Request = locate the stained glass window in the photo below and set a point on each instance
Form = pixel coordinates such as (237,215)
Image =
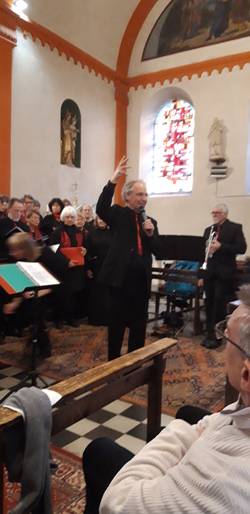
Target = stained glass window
(173,149)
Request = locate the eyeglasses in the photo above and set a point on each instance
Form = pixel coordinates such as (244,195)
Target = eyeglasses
(214,213)
(220,329)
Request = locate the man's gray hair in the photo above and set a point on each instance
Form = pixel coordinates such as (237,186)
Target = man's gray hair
(223,207)
(66,211)
(128,187)
(244,295)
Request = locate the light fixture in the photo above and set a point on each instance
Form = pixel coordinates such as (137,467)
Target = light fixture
(20,4)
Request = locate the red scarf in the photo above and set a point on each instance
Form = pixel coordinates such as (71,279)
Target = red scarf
(36,234)
(65,240)
(57,216)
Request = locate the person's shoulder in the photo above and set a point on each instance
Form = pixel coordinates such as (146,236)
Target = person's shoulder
(207,230)
(48,217)
(23,226)
(4,222)
(233,224)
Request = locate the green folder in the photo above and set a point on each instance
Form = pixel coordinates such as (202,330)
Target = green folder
(15,277)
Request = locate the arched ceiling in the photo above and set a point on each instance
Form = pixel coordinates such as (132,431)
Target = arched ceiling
(95,26)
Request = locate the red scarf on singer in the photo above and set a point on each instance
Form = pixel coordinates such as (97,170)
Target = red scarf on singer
(65,240)
(36,234)
(57,216)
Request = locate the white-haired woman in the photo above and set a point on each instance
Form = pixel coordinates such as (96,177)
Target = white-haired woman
(69,236)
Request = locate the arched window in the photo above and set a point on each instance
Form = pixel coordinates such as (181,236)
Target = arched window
(173,149)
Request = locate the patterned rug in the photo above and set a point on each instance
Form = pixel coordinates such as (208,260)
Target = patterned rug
(192,375)
(68,486)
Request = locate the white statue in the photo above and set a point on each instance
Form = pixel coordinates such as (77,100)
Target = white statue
(215,142)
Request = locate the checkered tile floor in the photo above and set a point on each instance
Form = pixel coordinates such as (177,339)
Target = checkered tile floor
(122,421)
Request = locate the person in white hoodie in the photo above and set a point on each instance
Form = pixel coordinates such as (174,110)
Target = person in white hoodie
(186,468)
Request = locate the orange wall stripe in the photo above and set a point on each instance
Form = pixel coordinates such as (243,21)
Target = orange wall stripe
(135,23)
(189,70)
(5,109)
(121,97)
(7,42)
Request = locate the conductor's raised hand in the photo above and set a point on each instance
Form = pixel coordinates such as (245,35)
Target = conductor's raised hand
(120,170)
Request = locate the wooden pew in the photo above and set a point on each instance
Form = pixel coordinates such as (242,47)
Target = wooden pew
(88,392)
(186,276)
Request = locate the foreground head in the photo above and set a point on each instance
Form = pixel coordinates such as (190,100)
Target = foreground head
(219,213)
(238,360)
(22,247)
(134,194)
(68,215)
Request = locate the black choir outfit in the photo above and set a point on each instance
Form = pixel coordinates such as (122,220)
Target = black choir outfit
(89,226)
(221,270)
(49,223)
(68,237)
(126,273)
(99,241)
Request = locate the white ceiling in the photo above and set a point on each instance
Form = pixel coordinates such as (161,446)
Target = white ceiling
(95,26)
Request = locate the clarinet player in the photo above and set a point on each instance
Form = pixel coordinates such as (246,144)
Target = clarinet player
(226,240)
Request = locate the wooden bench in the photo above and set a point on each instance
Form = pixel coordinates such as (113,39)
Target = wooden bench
(88,392)
(186,276)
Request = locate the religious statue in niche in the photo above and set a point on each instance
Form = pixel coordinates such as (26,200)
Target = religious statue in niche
(215,136)
(70,134)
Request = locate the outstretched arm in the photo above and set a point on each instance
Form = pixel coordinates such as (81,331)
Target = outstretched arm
(103,206)
(120,170)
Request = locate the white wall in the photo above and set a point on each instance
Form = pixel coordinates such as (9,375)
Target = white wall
(225,96)
(189,214)
(41,82)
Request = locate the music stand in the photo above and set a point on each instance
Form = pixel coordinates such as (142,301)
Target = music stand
(12,279)
(178,247)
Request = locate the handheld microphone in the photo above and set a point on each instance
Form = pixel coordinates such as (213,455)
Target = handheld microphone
(143,213)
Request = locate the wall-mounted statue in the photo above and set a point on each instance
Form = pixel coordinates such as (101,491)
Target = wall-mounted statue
(215,136)
(66,141)
(70,134)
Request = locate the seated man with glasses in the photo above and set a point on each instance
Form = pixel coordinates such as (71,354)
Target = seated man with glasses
(225,239)
(204,467)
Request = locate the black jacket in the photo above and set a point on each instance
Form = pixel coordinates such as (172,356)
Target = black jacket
(124,242)
(223,262)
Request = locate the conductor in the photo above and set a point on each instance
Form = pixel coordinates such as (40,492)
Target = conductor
(127,267)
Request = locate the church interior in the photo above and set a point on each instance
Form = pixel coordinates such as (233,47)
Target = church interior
(92,54)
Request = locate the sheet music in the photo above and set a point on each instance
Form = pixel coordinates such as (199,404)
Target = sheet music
(36,272)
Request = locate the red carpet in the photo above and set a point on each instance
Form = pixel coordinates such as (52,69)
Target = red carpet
(68,486)
(193,374)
